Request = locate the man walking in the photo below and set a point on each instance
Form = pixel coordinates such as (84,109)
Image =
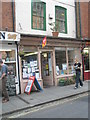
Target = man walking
(77,67)
(4,73)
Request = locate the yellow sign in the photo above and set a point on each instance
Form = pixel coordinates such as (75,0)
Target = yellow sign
(12,36)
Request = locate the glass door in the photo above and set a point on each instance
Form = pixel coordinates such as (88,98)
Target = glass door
(47,70)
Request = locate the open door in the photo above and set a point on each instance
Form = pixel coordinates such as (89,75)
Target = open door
(47,70)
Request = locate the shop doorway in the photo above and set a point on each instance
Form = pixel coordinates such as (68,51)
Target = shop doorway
(47,68)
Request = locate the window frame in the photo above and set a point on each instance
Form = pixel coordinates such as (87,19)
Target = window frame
(44,21)
(65,10)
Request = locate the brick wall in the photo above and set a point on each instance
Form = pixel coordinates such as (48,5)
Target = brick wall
(0,15)
(7,18)
(84,19)
(89,20)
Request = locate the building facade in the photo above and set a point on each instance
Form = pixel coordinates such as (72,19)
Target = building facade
(85,34)
(9,40)
(56,59)
(32,20)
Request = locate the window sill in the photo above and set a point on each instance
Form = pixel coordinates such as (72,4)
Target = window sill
(68,75)
(87,71)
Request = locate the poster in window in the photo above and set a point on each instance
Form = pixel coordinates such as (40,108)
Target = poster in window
(35,63)
(31,63)
(25,75)
(64,66)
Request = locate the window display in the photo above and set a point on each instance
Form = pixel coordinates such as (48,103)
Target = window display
(71,58)
(9,59)
(61,65)
(30,65)
(86,55)
(8,55)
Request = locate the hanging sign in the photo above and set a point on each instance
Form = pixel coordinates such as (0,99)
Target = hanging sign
(9,36)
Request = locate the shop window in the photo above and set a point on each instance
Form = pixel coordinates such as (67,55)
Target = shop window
(61,19)
(9,58)
(71,58)
(61,65)
(8,55)
(86,59)
(38,15)
(30,65)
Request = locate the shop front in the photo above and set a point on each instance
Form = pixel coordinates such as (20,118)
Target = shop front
(50,63)
(8,53)
(86,55)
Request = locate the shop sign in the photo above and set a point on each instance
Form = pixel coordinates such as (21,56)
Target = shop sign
(9,36)
(32,80)
(29,85)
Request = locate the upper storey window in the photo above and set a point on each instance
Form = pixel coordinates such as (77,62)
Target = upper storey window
(38,15)
(61,19)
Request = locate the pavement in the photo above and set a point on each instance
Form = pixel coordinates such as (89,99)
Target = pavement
(50,94)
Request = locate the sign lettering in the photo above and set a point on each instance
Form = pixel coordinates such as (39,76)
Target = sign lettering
(9,36)
(2,35)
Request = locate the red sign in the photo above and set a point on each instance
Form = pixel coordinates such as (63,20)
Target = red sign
(29,84)
(88,43)
(44,42)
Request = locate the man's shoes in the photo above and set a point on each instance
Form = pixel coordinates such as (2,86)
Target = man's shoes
(81,86)
(75,87)
(5,100)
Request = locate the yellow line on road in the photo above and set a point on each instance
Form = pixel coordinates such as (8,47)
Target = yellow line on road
(35,109)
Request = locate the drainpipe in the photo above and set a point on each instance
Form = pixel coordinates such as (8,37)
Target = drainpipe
(80,20)
(13,17)
(16,44)
(18,68)
(76,17)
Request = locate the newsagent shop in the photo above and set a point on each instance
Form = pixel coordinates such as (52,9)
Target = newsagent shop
(49,63)
(8,53)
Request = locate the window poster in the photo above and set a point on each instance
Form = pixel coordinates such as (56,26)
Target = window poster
(30,68)
(35,63)
(25,75)
(50,65)
(57,70)
(31,63)
(64,66)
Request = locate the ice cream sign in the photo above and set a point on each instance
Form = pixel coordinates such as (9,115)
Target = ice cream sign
(9,36)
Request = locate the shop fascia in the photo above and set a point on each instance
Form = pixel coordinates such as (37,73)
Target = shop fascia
(9,36)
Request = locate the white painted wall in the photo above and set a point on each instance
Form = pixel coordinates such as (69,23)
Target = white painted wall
(23,17)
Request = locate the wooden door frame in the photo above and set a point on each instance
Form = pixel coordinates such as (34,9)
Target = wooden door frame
(53,57)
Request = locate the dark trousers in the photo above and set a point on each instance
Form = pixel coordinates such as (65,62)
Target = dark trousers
(78,80)
(4,91)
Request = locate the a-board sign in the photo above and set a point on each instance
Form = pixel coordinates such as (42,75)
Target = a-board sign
(29,85)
